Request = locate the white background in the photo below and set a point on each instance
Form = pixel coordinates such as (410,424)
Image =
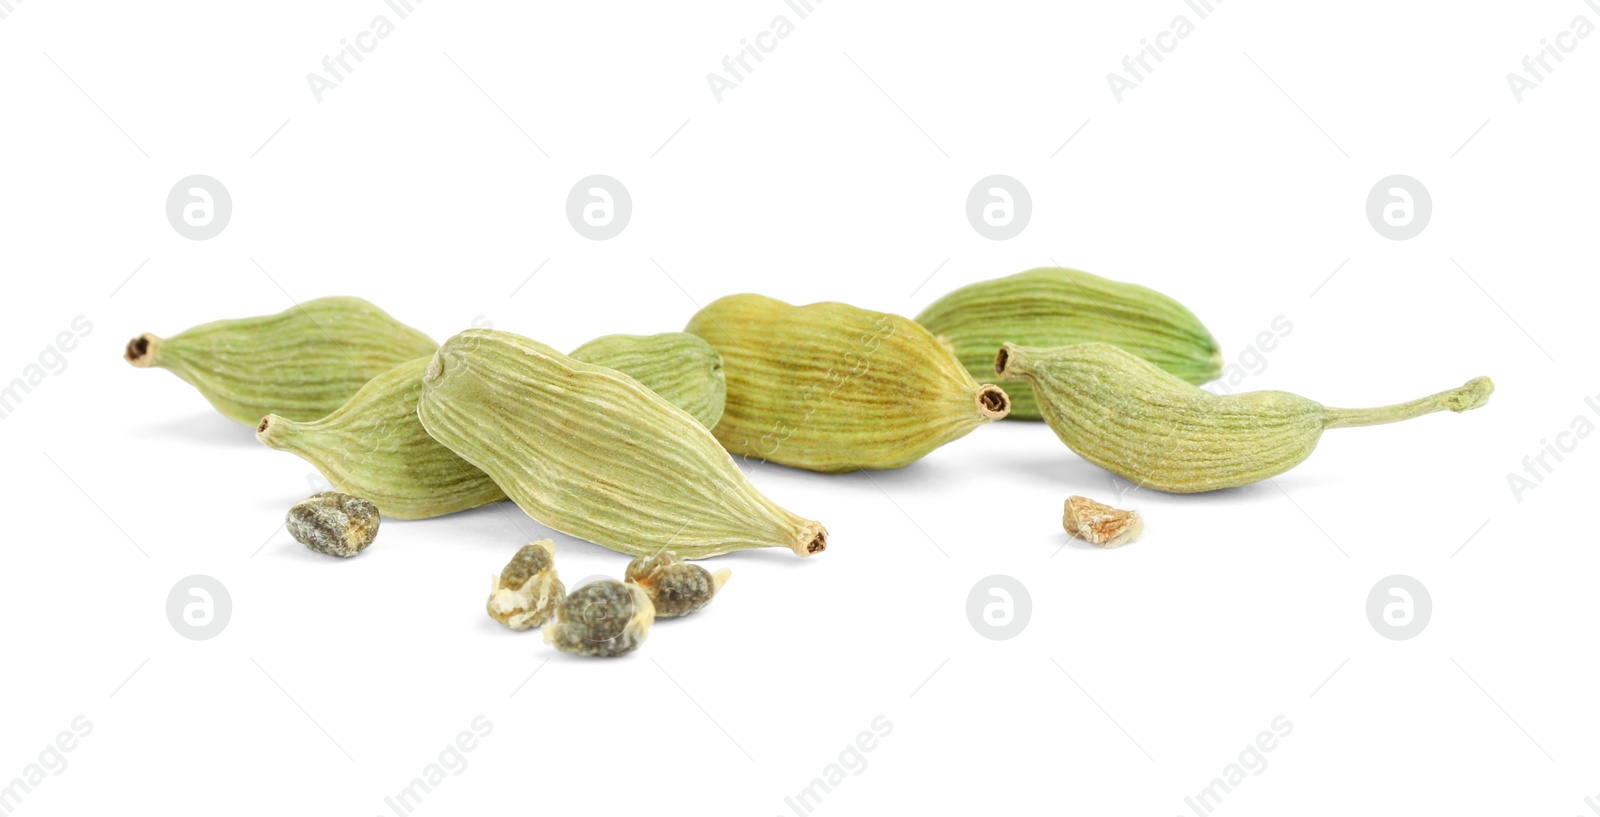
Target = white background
(1233,178)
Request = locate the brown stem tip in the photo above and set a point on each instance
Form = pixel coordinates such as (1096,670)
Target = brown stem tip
(1005,362)
(141,351)
(270,431)
(813,539)
(993,402)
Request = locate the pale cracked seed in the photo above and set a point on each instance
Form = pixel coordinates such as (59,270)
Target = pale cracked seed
(1099,524)
(528,590)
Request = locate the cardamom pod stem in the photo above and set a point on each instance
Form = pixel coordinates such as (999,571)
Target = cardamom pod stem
(301,363)
(1464,398)
(832,387)
(1129,417)
(591,452)
(1052,306)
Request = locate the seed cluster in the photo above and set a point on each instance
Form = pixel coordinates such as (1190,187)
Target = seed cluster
(603,618)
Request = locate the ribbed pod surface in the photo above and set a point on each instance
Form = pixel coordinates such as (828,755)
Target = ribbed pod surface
(375,447)
(832,387)
(591,452)
(301,363)
(1053,306)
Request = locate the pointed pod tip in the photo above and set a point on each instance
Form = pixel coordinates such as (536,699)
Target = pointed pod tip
(435,368)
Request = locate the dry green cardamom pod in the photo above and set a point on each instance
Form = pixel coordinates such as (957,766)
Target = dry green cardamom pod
(528,591)
(1052,306)
(1125,415)
(604,618)
(375,446)
(676,365)
(333,523)
(830,387)
(675,587)
(591,452)
(301,363)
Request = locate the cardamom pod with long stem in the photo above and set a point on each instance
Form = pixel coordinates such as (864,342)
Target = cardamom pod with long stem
(375,446)
(831,387)
(1129,417)
(301,363)
(1052,306)
(590,451)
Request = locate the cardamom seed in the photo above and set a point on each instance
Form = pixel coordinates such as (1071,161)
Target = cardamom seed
(676,365)
(591,452)
(528,591)
(675,587)
(1052,306)
(604,619)
(831,387)
(375,446)
(333,523)
(1100,525)
(301,363)
(1129,417)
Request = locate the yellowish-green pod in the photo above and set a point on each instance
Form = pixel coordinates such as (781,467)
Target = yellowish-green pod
(591,452)
(831,387)
(301,363)
(1052,306)
(676,365)
(375,447)
(1125,415)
